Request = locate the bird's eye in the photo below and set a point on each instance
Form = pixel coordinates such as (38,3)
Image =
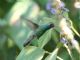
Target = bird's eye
(51,25)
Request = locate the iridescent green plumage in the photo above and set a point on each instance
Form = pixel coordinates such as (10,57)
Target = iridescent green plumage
(38,30)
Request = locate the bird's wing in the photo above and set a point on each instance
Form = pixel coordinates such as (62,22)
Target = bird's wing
(30,24)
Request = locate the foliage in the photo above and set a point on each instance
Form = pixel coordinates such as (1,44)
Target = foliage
(61,42)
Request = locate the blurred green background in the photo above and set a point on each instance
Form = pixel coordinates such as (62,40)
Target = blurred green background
(14,31)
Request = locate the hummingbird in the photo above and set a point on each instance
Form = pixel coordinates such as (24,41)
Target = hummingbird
(38,30)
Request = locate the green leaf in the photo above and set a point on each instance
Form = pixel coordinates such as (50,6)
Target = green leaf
(44,39)
(75,54)
(31,53)
(3,40)
(19,35)
(64,54)
(53,55)
(55,36)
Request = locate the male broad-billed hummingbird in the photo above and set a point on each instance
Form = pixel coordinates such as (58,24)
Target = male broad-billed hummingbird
(38,30)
